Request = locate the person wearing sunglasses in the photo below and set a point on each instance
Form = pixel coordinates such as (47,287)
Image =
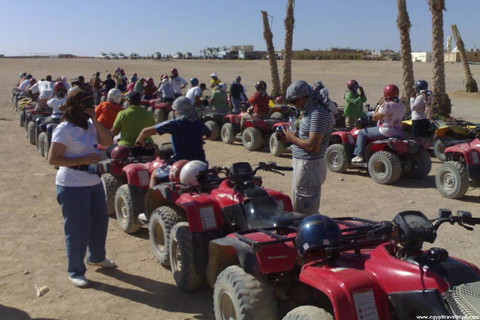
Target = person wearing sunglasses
(79,189)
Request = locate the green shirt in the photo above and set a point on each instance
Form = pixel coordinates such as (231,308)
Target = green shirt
(131,122)
(139,87)
(354,105)
(219,101)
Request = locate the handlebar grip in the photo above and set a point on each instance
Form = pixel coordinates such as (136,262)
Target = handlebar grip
(472,221)
(284,168)
(380,231)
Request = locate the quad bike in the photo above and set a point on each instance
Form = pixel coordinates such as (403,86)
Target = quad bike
(44,139)
(214,120)
(276,145)
(231,127)
(385,159)
(31,116)
(17,96)
(460,171)
(160,109)
(181,227)
(377,271)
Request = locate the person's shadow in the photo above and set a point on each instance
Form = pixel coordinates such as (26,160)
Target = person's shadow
(159,295)
(17,314)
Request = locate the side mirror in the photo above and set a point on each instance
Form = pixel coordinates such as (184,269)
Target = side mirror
(444,213)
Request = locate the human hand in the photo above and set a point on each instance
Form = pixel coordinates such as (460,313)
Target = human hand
(90,158)
(140,143)
(250,110)
(281,136)
(289,135)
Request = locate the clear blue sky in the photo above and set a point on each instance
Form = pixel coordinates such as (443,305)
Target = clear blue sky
(146,26)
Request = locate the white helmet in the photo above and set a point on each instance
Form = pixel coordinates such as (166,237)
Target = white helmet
(188,175)
(224,86)
(214,75)
(115,95)
(73,89)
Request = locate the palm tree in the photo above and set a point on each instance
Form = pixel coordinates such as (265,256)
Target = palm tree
(442,101)
(403,24)
(267,34)
(471,85)
(287,59)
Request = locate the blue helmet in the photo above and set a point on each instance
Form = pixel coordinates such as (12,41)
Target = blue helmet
(194,82)
(421,85)
(316,232)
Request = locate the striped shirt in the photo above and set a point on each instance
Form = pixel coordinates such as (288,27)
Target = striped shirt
(317,119)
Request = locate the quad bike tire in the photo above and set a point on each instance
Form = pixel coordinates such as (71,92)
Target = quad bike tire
(126,215)
(182,260)
(421,165)
(336,158)
(384,167)
(243,296)
(439,150)
(276,146)
(110,186)
(171,115)
(158,115)
(308,313)
(41,143)
(22,119)
(46,147)
(214,128)
(451,179)
(228,133)
(252,139)
(276,115)
(31,132)
(161,223)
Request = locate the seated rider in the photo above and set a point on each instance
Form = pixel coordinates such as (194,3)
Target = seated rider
(132,121)
(259,104)
(389,115)
(149,90)
(106,112)
(187,134)
(219,99)
(57,102)
(165,91)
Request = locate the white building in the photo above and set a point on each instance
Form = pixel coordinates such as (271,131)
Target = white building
(422,56)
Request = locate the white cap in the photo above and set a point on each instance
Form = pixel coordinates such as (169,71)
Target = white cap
(214,75)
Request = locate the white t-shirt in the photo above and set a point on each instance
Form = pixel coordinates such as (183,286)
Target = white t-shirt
(177,84)
(194,92)
(24,85)
(55,103)
(79,143)
(45,88)
(391,124)
(418,108)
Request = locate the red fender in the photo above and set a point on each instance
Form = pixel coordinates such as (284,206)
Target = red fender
(343,136)
(469,151)
(203,212)
(283,201)
(233,118)
(138,174)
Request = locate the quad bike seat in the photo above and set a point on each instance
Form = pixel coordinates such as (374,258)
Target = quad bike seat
(264,212)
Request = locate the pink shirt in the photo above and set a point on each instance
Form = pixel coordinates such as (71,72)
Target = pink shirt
(391,124)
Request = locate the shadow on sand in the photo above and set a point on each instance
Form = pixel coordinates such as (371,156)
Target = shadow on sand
(9,313)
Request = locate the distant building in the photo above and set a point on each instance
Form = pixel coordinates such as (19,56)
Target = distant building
(242,48)
(65,56)
(422,56)
(473,55)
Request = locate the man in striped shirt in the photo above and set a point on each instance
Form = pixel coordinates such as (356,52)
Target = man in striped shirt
(310,142)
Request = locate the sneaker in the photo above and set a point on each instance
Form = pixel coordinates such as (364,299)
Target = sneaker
(238,136)
(358,159)
(79,281)
(105,264)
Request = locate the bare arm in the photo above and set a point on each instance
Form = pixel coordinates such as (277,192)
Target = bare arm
(145,133)
(104,136)
(56,158)
(312,144)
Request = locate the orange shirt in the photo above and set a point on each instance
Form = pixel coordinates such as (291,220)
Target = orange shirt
(106,113)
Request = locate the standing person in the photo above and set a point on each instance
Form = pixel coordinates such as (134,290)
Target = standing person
(106,112)
(195,93)
(420,106)
(309,145)
(119,80)
(215,81)
(389,115)
(354,103)
(79,192)
(237,94)
(45,90)
(96,87)
(177,82)
(258,104)
(109,83)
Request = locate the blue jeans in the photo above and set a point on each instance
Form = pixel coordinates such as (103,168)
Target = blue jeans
(236,103)
(85,223)
(364,135)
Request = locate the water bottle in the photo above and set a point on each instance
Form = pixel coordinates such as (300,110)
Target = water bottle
(292,124)
(93,167)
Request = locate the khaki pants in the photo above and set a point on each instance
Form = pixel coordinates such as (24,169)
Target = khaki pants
(307,179)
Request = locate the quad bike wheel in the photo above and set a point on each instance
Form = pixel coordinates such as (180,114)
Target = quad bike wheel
(277,147)
(308,313)
(22,119)
(228,133)
(252,139)
(41,143)
(158,115)
(31,132)
(182,258)
(384,167)
(162,221)
(439,149)
(213,126)
(171,115)
(421,165)
(336,158)
(125,212)
(110,186)
(242,296)
(46,147)
(451,179)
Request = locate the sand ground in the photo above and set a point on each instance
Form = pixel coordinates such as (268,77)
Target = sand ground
(31,237)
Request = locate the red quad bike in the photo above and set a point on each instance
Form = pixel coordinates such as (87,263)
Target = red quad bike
(231,127)
(161,110)
(181,229)
(385,159)
(460,171)
(44,131)
(278,147)
(378,271)
(30,116)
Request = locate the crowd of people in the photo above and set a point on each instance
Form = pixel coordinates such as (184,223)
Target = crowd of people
(86,122)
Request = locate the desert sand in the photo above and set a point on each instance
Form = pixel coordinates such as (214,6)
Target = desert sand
(32,237)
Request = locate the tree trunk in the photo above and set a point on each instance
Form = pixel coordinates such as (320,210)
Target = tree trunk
(267,34)
(442,101)
(287,58)
(471,84)
(403,24)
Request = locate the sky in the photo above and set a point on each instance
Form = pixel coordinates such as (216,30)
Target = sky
(89,27)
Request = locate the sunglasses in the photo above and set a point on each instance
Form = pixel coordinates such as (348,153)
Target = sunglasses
(294,101)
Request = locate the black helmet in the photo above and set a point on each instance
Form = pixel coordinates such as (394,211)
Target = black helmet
(261,85)
(194,82)
(421,85)
(317,232)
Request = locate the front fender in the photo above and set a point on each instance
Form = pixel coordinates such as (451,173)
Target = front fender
(137,174)
(203,212)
